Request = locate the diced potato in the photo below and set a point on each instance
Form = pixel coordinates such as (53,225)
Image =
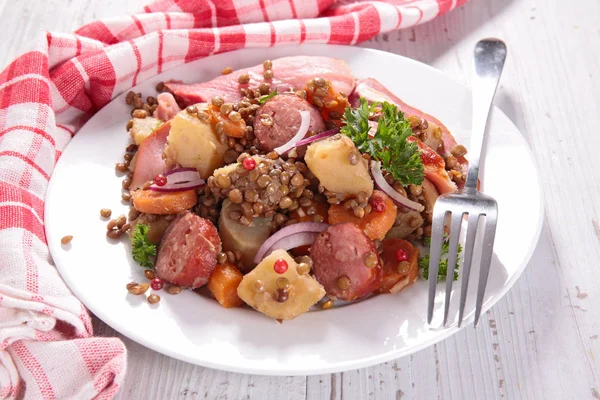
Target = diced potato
(142,128)
(328,160)
(259,287)
(223,283)
(193,143)
(246,239)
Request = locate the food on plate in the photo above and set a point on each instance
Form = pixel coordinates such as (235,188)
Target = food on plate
(375,219)
(223,284)
(281,125)
(243,238)
(151,202)
(194,143)
(400,260)
(282,183)
(279,288)
(187,254)
(346,262)
(339,167)
(285,72)
(149,157)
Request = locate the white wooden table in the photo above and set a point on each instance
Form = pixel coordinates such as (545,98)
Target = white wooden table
(542,341)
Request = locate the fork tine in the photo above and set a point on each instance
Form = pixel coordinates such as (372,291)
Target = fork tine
(435,252)
(452,250)
(465,270)
(486,258)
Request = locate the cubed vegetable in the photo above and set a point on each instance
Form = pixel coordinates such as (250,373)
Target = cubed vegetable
(276,289)
(193,143)
(330,161)
(223,284)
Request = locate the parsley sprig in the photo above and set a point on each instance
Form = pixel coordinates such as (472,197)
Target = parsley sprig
(400,158)
(424,261)
(267,97)
(142,249)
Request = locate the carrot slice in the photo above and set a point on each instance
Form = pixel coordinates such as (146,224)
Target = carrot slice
(375,224)
(223,284)
(395,275)
(230,128)
(151,202)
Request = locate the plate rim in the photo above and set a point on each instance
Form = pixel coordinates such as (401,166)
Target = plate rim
(339,366)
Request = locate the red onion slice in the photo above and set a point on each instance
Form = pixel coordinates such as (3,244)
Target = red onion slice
(292,241)
(284,148)
(320,136)
(390,191)
(301,227)
(180,179)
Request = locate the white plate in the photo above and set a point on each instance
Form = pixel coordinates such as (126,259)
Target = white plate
(196,329)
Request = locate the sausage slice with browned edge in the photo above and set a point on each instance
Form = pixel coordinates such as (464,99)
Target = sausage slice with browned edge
(284,112)
(345,262)
(188,251)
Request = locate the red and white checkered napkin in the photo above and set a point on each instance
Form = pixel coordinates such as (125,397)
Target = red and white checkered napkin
(47,348)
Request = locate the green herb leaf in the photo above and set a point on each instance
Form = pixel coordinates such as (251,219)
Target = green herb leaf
(142,249)
(424,261)
(267,97)
(400,158)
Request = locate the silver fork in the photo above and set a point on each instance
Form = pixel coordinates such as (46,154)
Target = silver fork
(489,60)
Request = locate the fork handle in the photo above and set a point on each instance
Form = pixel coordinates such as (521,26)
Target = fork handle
(489,60)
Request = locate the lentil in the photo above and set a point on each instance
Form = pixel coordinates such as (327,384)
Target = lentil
(327,305)
(131,148)
(303,268)
(138,288)
(318,218)
(264,88)
(121,167)
(416,190)
(105,213)
(235,196)
(129,125)
(174,289)
(226,71)
(283,283)
(268,64)
(281,296)
(160,86)
(359,212)
(153,299)
(222,257)
(126,183)
(244,78)
(139,114)
(458,151)
(343,282)
(217,101)
(371,260)
(226,108)
(268,74)
(235,116)
(66,239)
(125,228)
(403,267)
(126,196)
(149,274)
(451,162)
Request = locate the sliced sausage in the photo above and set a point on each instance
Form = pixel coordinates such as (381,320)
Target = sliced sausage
(188,252)
(345,262)
(284,110)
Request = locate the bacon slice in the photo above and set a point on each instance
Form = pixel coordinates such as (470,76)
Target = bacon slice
(373,91)
(167,107)
(149,159)
(435,168)
(287,72)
